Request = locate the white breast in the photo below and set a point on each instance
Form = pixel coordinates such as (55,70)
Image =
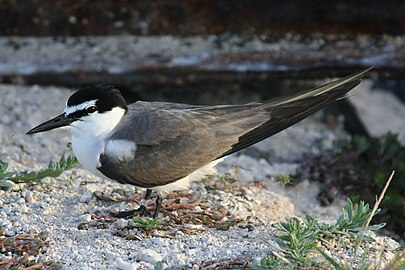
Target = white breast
(87,151)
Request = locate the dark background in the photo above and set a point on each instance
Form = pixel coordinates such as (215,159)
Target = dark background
(179,17)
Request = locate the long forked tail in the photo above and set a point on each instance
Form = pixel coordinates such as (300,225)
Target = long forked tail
(286,111)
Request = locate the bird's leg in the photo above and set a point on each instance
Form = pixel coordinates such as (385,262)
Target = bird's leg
(142,209)
(158,205)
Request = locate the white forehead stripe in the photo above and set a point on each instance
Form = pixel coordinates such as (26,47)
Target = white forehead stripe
(79,107)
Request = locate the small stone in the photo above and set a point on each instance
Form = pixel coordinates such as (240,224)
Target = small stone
(149,255)
(7,210)
(85,217)
(181,258)
(158,241)
(193,251)
(24,209)
(120,223)
(46,211)
(17,187)
(20,201)
(85,252)
(28,197)
(86,197)
(125,265)
(194,226)
(102,226)
(83,226)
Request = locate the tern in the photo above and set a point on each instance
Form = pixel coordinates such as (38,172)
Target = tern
(164,146)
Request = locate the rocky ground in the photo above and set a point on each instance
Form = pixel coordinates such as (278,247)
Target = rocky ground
(213,222)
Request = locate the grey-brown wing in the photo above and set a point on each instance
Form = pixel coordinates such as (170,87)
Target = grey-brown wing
(176,139)
(174,143)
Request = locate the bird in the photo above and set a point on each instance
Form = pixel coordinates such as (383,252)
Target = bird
(163,146)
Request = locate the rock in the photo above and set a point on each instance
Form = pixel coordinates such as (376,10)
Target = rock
(379,111)
(86,197)
(120,223)
(307,136)
(85,218)
(249,169)
(28,197)
(149,255)
(85,251)
(6,209)
(268,205)
(158,241)
(125,265)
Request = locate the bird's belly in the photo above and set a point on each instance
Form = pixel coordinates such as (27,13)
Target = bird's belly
(87,152)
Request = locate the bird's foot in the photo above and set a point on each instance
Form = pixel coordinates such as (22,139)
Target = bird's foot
(125,214)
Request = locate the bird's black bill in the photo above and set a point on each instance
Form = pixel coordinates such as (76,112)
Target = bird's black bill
(58,121)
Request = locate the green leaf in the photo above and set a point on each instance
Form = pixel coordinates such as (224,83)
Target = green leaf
(6,183)
(159,266)
(54,169)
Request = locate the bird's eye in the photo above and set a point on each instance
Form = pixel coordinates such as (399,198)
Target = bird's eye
(91,109)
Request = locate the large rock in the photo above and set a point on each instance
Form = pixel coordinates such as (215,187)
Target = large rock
(380,111)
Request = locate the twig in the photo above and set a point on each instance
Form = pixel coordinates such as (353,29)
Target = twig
(377,203)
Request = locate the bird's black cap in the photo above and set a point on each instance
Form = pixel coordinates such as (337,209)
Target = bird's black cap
(107,97)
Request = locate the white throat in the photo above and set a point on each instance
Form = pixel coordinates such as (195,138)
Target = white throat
(89,134)
(97,125)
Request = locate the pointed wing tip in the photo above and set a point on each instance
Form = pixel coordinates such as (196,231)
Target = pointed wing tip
(364,71)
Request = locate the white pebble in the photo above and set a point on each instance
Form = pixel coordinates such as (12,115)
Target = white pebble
(86,197)
(24,209)
(28,197)
(7,210)
(149,255)
(125,265)
(158,241)
(85,217)
(193,251)
(85,252)
(6,224)
(120,223)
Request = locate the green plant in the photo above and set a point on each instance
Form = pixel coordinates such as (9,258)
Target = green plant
(148,223)
(358,218)
(54,169)
(298,240)
(158,266)
(358,168)
(355,217)
(269,263)
(3,170)
(285,179)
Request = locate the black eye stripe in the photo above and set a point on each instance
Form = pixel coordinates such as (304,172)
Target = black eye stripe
(78,114)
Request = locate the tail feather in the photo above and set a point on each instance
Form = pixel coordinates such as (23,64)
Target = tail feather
(286,111)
